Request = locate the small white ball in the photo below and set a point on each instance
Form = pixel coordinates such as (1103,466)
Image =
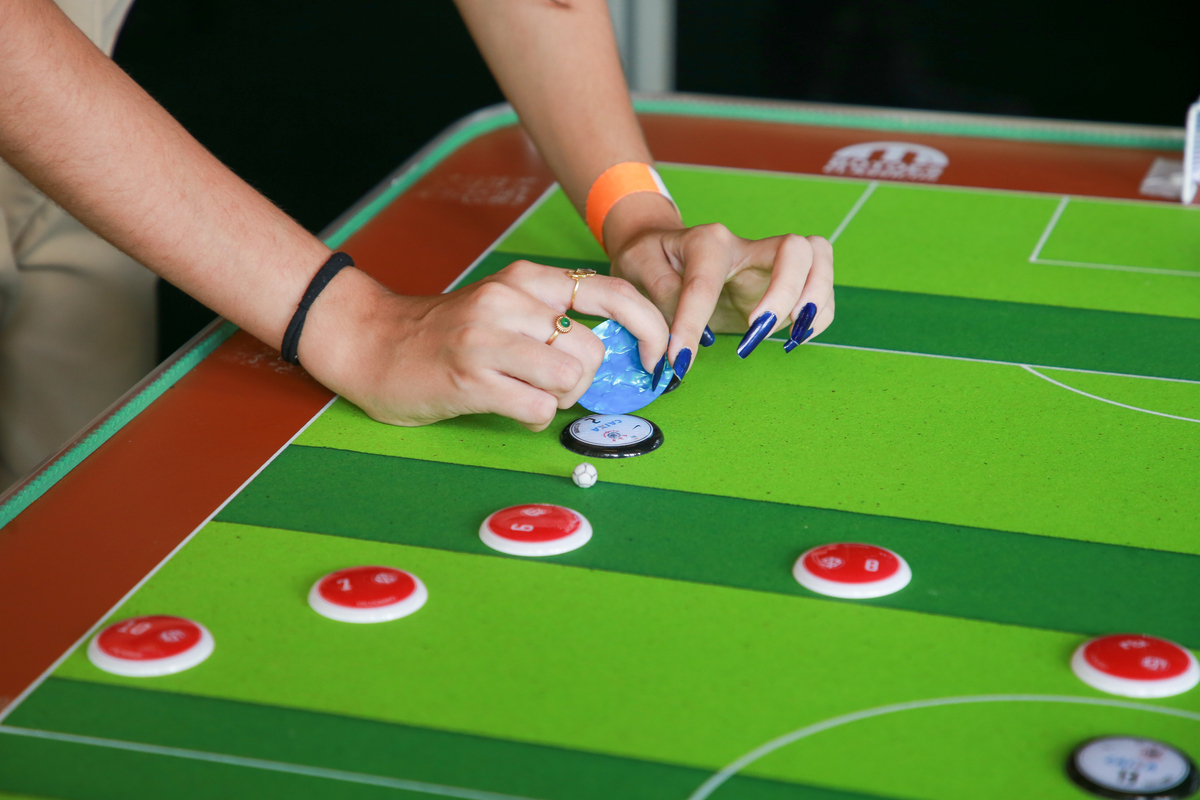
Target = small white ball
(584,476)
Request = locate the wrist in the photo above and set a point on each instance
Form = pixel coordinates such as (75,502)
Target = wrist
(635,215)
(347,330)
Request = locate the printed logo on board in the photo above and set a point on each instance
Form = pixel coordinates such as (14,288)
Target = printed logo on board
(896,161)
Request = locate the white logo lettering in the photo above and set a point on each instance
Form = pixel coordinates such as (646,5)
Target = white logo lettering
(897,161)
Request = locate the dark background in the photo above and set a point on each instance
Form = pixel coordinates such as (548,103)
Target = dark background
(314,102)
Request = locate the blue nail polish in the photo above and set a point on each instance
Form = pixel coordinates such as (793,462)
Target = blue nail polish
(707,339)
(683,362)
(790,345)
(673,385)
(758,331)
(803,321)
(804,338)
(658,372)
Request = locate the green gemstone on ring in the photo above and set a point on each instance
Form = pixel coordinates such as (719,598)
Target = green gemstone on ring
(564,324)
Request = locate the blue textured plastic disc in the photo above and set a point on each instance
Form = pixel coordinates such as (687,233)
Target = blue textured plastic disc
(621,385)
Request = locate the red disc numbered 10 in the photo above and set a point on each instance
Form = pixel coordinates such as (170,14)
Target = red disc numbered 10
(144,647)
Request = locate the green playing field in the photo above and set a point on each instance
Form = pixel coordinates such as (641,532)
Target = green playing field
(1009,397)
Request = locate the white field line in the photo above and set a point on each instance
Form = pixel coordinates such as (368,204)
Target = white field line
(1035,256)
(4,712)
(462,276)
(990,361)
(1104,400)
(1183,273)
(862,199)
(712,784)
(1041,242)
(258,763)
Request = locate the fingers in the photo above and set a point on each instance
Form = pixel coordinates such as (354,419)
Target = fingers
(530,380)
(588,350)
(707,253)
(515,399)
(814,310)
(791,263)
(601,296)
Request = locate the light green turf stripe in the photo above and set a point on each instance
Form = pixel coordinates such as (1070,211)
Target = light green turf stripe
(900,120)
(632,666)
(442,148)
(961,442)
(119,419)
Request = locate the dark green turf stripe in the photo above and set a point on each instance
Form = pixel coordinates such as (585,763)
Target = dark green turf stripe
(1023,333)
(331,742)
(998,576)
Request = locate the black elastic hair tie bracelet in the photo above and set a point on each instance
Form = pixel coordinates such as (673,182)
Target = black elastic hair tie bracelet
(291,337)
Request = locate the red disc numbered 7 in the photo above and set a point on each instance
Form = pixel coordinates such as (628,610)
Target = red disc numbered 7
(367,594)
(145,647)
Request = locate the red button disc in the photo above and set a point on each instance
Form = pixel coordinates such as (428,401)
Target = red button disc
(149,638)
(852,563)
(1139,658)
(536,522)
(366,587)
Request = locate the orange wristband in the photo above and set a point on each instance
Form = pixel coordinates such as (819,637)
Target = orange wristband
(615,183)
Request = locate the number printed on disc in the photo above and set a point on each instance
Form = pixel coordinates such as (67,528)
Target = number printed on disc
(145,647)
(1127,766)
(852,571)
(367,594)
(1132,665)
(535,529)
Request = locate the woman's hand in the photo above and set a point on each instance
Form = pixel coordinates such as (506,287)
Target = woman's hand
(707,276)
(480,349)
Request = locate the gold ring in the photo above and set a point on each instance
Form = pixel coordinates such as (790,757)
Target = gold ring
(562,324)
(577,275)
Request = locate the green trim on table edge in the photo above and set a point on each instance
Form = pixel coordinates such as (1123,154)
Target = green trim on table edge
(488,120)
(1021,129)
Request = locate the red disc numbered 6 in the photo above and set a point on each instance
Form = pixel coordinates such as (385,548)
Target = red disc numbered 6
(145,647)
(1132,665)
(367,594)
(535,529)
(852,571)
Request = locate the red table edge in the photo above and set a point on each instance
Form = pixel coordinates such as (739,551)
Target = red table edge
(501,116)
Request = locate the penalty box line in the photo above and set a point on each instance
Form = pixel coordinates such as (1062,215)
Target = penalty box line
(1035,256)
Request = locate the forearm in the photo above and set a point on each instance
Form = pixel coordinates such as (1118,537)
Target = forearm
(558,66)
(81,130)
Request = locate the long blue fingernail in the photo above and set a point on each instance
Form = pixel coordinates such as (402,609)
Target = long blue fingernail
(673,385)
(683,362)
(658,371)
(758,331)
(707,339)
(803,321)
(790,345)
(804,338)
